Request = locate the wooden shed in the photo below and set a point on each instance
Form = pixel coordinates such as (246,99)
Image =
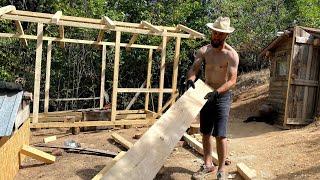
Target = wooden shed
(294,75)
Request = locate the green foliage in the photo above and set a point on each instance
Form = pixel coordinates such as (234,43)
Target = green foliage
(76,68)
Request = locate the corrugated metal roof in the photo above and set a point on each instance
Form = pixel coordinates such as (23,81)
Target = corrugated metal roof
(9,105)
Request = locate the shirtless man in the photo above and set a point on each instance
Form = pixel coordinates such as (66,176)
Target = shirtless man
(221,65)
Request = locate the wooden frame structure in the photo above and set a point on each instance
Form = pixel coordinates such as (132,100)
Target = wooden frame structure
(103,24)
(295,75)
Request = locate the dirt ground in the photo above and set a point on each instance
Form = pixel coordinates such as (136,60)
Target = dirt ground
(273,153)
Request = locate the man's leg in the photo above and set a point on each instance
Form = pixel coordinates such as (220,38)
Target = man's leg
(221,143)
(207,149)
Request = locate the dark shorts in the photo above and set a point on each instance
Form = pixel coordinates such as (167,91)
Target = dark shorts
(214,116)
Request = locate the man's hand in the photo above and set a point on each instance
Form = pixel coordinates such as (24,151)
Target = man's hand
(212,96)
(190,83)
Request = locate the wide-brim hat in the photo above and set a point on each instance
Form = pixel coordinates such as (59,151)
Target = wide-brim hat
(222,24)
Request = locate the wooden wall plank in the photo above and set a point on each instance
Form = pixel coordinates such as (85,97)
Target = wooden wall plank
(47,85)
(37,74)
(115,76)
(9,152)
(103,75)
(141,161)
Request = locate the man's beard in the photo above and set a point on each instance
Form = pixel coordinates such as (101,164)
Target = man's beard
(216,44)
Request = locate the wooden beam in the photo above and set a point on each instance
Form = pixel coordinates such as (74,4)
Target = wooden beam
(143,161)
(119,139)
(49,139)
(103,75)
(299,121)
(88,123)
(6,9)
(146,104)
(192,142)
(91,26)
(61,35)
(190,31)
(37,154)
(115,76)
(37,74)
(151,27)
(47,85)
(82,19)
(175,67)
(132,40)
(56,17)
(21,32)
(162,69)
(246,172)
(133,100)
(8,35)
(109,22)
(108,166)
(139,111)
(144,90)
(100,35)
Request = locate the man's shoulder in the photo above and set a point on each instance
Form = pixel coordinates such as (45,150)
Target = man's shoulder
(204,49)
(232,52)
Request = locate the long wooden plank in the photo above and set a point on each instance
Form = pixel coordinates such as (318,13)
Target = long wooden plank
(103,75)
(37,154)
(246,172)
(143,162)
(119,139)
(82,19)
(115,76)
(21,32)
(109,165)
(175,67)
(6,9)
(47,85)
(306,92)
(91,26)
(37,74)
(88,123)
(190,31)
(9,152)
(162,69)
(148,86)
(194,143)
(8,35)
(151,27)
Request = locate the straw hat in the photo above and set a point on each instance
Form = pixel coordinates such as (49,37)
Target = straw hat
(222,24)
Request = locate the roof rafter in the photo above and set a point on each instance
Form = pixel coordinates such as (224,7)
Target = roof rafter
(56,17)
(190,31)
(7,9)
(151,27)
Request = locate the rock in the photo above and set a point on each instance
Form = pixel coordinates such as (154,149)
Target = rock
(57,152)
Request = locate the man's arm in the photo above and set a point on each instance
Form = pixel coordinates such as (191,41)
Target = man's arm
(193,71)
(232,73)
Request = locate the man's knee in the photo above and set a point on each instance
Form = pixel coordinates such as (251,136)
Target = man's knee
(220,138)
